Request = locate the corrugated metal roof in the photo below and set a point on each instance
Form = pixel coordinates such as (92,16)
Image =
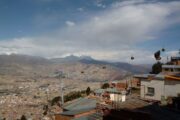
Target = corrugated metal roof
(75,112)
(160,76)
(113,90)
(99,91)
(81,103)
(154,76)
(143,75)
(170,66)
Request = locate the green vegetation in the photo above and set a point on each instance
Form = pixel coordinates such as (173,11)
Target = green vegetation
(156,68)
(55,100)
(23,117)
(71,96)
(88,91)
(105,86)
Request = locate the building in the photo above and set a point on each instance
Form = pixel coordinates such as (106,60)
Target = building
(116,95)
(77,108)
(112,94)
(163,85)
(75,114)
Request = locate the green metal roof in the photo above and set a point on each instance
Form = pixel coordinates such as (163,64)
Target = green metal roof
(113,90)
(99,91)
(81,103)
(110,90)
(82,118)
(76,112)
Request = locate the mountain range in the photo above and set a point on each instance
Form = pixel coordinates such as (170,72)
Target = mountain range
(89,60)
(74,65)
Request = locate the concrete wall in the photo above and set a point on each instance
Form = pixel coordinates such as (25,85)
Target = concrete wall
(62,117)
(172,88)
(117,97)
(158,86)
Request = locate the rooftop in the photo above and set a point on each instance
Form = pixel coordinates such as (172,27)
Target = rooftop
(170,66)
(113,90)
(81,103)
(76,112)
(175,58)
(99,91)
(144,75)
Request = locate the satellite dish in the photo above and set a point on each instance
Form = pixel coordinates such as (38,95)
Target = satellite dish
(157,55)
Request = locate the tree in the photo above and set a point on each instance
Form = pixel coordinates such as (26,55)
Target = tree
(55,100)
(23,117)
(157,68)
(88,91)
(105,86)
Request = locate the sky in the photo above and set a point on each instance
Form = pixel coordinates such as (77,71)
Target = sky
(112,30)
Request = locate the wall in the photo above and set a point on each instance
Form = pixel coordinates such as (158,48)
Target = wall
(172,88)
(115,97)
(158,86)
(62,117)
(85,114)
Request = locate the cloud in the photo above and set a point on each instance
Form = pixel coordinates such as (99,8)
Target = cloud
(99,3)
(70,23)
(111,34)
(80,9)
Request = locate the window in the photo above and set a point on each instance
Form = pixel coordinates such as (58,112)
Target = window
(150,91)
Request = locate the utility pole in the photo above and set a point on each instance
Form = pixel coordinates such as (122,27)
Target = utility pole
(62,91)
(61,76)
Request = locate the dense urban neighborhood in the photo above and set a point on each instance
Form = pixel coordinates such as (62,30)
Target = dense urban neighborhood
(59,96)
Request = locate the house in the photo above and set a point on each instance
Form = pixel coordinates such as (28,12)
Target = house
(77,108)
(75,114)
(163,85)
(112,94)
(116,95)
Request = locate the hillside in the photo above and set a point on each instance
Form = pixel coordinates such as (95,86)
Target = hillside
(81,68)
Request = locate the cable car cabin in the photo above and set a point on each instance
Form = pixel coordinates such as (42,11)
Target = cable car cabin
(157,55)
(132,58)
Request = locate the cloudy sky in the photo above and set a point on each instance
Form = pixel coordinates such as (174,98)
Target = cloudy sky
(112,30)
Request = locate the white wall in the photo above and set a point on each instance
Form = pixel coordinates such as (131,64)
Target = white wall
(158,86)
(117,97)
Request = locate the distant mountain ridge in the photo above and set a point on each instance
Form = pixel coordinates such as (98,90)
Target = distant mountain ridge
(71,58)
(90,60)
(34,60)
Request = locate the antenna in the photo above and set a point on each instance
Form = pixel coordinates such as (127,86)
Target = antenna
(62,86)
